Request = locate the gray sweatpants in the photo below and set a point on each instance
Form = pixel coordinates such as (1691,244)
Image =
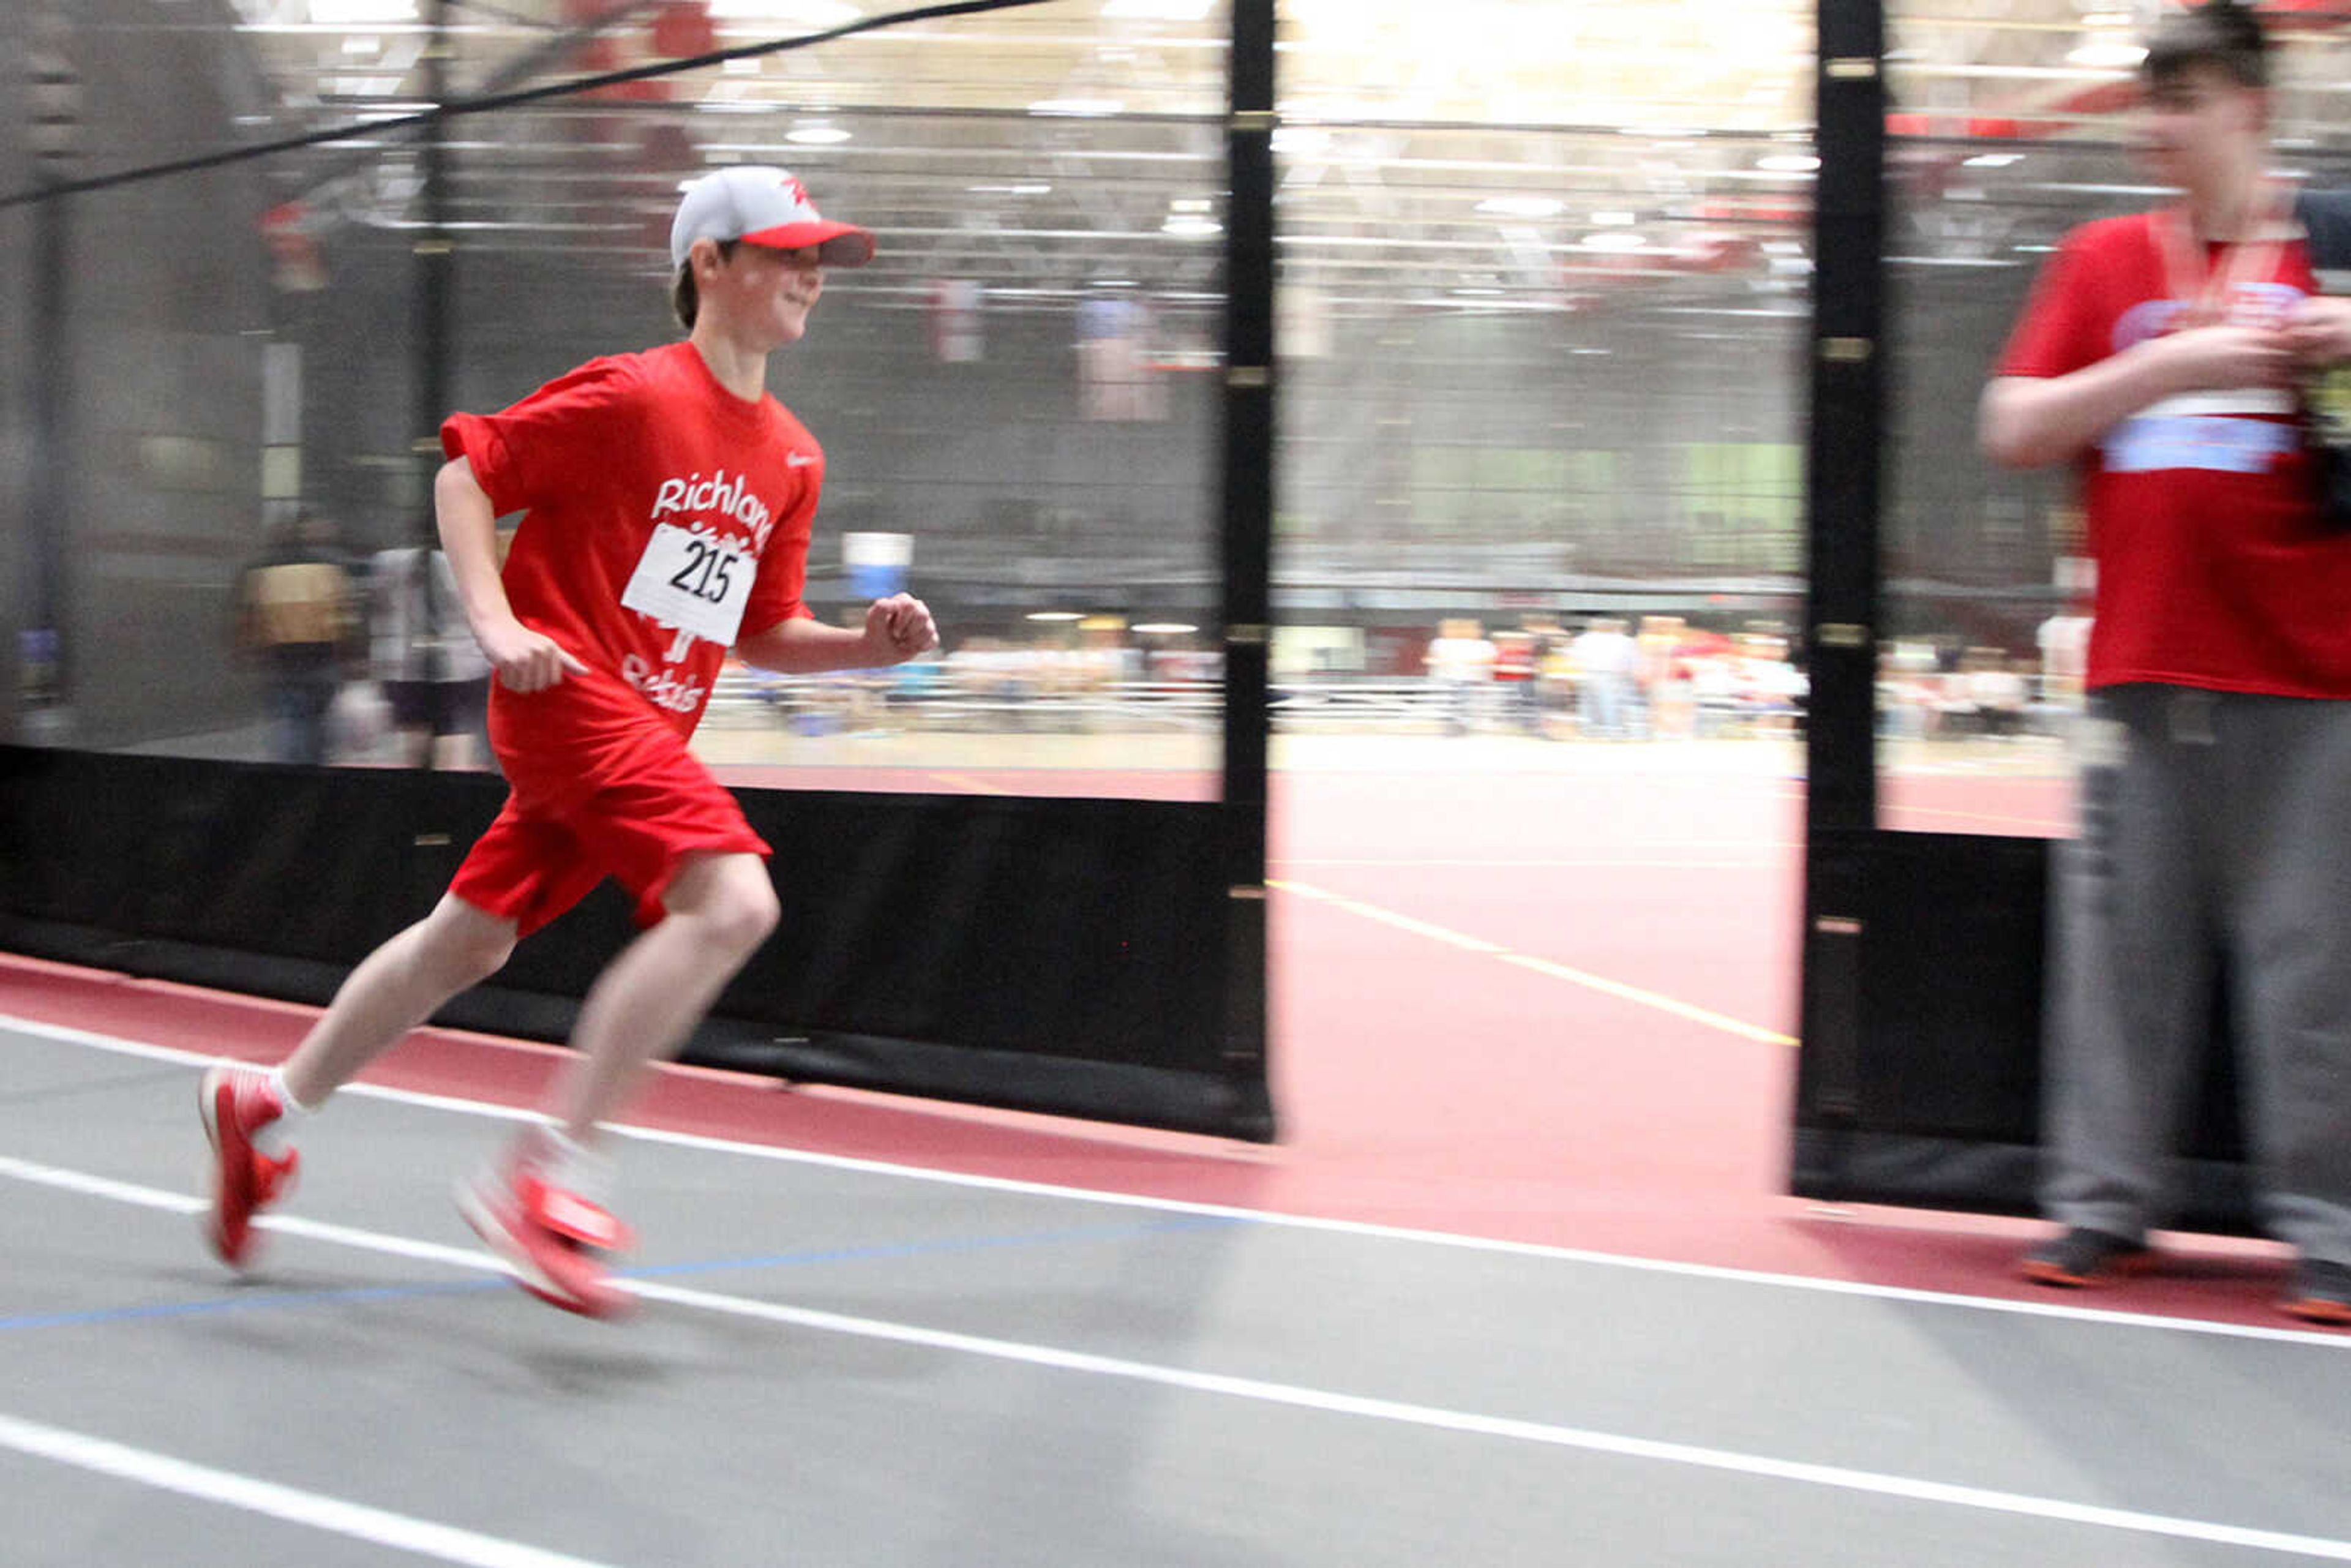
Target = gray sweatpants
(2212,824)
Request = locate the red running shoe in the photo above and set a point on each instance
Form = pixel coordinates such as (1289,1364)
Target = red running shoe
(554,1241)
(238,1102)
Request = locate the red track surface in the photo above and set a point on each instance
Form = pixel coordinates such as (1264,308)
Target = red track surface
(1425,1080)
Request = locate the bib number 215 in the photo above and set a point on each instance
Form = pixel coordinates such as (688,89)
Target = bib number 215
(708,573)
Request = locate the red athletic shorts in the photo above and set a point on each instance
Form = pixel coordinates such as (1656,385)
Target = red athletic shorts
(618,795)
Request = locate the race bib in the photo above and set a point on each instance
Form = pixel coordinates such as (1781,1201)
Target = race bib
(692,582)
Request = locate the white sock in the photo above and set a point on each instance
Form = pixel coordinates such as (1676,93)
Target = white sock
(275,1138)
(577,1167)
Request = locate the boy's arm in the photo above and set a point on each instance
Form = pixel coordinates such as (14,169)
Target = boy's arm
(2029,422)
(896,629)
(524,660)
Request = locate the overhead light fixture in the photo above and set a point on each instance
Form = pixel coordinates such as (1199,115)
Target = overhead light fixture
(1522,206)
(1165,628)
(1009,189)
(1190,226)
(360,13)
(1612,220)
(1992,160)
(2113,53)
(1056,615)
(1613,239)
(1191,205)
(1788,163)
(817,135)
(1158,10)
(1076,106)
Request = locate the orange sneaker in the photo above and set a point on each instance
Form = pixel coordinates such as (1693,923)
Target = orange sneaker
(2083,1259)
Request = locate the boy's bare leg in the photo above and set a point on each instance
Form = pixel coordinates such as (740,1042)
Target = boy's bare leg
(721,908)
(395,988)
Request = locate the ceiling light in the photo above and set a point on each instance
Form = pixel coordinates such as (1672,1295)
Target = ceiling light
(1056,615)
(817,135)
(1613,239)
(360,13)
(1158,10)
(1992,160)
(1081,106)
(1190,226)
(1009,189)
(1165,628)
(1190,204)
(1612,220)
(1522,206)
(2111,55)
(1789,163)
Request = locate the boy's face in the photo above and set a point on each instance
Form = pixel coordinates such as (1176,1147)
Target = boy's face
(763,293)
(2197,122)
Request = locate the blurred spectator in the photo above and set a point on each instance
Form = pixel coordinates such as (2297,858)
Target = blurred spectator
(2158,355)
(432,673)
(1514,679)
(1606,662)
(1461,660)
(296,614)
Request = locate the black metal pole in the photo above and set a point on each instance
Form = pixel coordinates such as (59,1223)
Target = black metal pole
(1247,526)
(435,283)
(1840,619)
(45,655)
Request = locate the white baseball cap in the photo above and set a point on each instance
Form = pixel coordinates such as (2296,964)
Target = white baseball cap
(764,206)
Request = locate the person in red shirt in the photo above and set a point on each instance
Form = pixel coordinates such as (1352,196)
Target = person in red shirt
(2161,354)
(667,502)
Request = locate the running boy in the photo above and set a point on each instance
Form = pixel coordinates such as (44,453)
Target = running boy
(668,500)
(2161,355)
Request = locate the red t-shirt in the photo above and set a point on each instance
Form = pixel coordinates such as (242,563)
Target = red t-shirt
(2217,567)
(663,517)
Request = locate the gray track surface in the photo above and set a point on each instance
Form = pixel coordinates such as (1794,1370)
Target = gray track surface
(701,1433)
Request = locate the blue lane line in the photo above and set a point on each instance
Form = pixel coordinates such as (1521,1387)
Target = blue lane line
(257,1300)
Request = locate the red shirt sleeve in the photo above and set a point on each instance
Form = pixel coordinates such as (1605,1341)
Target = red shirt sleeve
(783,566)
(527,453)
(2060,331)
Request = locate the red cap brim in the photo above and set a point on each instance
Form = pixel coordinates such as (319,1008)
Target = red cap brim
(837,245)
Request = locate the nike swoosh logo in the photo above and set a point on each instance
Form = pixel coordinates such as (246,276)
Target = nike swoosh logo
(797,460)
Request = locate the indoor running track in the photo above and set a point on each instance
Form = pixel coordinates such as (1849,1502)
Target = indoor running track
(842,1362)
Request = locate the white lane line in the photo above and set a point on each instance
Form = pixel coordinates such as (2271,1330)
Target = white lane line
(1355,1227)
(1292,1396)
(376,1526)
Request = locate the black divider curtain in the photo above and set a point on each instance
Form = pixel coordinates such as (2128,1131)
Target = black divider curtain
(1065,955)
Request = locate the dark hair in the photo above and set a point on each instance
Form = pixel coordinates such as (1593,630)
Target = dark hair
(2226,34)
(684,294)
